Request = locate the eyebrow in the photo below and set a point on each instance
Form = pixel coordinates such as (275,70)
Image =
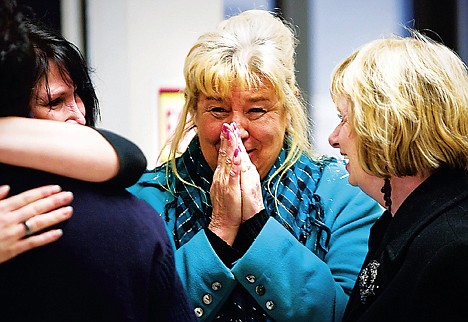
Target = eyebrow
(211,98)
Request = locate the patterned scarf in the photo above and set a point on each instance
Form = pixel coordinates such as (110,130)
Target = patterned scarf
(296,205)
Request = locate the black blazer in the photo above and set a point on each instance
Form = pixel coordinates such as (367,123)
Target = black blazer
(113,263)
(417,266)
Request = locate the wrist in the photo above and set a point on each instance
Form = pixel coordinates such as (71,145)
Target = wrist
(227,234)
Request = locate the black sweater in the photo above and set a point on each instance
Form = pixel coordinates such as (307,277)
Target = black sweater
(113,263)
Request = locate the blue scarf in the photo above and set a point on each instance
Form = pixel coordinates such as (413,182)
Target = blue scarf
(296,205)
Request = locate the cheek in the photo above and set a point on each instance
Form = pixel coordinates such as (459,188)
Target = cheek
(209,132)
(269,134)
(43,113)
(208,135)
(271,141)
(80,105)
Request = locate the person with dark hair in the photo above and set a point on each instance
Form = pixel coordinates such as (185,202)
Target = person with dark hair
(36,52)
(37,208)
(48,146)
(114,261)
(63,90)
(403,105)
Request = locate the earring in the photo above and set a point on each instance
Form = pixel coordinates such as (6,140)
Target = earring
(387,192)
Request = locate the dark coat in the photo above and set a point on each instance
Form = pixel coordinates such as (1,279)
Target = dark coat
(113,263)
(417,266)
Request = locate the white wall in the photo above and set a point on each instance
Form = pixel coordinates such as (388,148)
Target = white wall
(338,28)
(137,47)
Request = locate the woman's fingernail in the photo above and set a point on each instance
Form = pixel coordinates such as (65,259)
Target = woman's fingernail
(226,131)
(236,152)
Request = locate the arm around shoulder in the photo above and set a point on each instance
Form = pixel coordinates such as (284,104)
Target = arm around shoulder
(71,150)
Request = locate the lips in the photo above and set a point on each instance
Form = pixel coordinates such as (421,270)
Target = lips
(346,160)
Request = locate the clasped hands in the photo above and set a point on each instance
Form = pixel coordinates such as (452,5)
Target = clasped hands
(236,193)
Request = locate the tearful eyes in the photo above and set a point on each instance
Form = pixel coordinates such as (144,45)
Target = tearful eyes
(253,113)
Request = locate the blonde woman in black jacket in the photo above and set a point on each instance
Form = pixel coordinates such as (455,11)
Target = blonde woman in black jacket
(403,104)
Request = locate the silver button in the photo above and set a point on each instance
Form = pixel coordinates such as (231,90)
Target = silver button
(216,286)
(260,290)
(207,298)
(250,278)
(198,312)
(270,305)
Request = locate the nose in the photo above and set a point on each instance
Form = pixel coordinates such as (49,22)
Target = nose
(76,112)
(333,138)
(242,124)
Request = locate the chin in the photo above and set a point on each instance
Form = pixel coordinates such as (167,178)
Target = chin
(352,181)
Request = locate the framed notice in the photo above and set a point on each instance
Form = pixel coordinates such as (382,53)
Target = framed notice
(171,103)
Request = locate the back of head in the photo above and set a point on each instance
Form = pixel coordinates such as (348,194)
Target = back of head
(408,105)
(51,47)
(16,62)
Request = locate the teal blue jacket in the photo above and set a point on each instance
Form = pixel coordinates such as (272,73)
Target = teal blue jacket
(285,277)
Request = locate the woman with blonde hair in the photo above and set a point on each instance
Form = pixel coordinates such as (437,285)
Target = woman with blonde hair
(263,230)
(403,104)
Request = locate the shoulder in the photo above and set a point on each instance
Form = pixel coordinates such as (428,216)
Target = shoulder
(156,176)
(132,161)
(451,227)
(333,175)
(153,187)
(340,197)
(309,169)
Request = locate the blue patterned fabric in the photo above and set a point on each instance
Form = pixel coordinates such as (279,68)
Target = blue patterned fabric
(314,206)
(296,206)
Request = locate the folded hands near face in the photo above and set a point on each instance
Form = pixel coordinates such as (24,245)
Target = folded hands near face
(236,191)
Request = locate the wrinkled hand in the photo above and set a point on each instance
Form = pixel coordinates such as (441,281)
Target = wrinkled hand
(236,191)
(251,190)
(40,208)
(225,190)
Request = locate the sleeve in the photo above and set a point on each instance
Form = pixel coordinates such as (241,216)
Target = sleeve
(131,159)
(277,263)
(207,280)
(248,231)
